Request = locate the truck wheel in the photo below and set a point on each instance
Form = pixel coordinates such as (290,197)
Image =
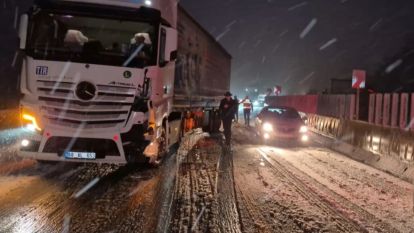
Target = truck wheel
(134,155)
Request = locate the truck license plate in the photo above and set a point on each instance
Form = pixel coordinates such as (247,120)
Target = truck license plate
(79,155)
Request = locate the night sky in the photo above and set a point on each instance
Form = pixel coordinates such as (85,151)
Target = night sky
(264,37)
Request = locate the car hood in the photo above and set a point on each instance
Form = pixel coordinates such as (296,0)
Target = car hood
(288,123)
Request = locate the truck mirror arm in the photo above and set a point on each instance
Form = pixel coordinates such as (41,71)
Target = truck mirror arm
(145,87)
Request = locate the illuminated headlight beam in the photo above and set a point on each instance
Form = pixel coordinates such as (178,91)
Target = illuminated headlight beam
(267,127)
(303,129)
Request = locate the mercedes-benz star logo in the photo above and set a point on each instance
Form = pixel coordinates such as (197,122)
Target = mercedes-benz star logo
(85,91)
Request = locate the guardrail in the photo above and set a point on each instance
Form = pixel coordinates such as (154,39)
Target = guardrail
(383,141)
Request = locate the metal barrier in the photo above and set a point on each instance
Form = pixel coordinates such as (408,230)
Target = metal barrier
(326,125)
(383,141)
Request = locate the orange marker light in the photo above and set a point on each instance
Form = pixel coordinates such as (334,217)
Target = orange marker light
(32,120)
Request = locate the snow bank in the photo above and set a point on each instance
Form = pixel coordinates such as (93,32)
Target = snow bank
(387,164)
(387,149)
(189,140)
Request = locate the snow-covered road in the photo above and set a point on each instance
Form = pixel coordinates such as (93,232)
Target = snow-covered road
(313,189)
(253,188)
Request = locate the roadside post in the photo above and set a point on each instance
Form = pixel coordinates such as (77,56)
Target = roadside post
(358,83)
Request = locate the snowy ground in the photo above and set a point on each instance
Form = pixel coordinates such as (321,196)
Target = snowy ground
(313,189)
(205,188)
(54,197)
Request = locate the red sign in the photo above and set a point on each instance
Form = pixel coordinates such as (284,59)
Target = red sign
(278,90)
(358,79)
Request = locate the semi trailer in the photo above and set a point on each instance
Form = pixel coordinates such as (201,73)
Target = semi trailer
(109,81)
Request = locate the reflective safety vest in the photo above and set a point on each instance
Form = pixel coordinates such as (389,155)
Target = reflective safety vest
(247,104)
(189,124)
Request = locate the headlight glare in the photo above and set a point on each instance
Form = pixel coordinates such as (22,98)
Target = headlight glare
(267,127)
(303,129)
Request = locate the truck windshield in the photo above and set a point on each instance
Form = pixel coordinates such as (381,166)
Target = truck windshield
(92,40)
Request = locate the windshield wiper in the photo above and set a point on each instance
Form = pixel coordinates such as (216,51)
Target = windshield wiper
(133,55)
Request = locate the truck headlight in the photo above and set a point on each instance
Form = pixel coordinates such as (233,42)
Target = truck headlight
(29,120)
(267,127)
(303,129)
(25,143)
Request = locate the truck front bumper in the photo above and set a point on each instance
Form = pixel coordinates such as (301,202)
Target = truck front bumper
(57,157)
(52,144)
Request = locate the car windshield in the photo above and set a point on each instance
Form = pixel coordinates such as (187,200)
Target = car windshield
(283,113)
(91,40)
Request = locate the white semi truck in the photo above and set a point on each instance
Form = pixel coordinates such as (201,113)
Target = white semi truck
(108,81)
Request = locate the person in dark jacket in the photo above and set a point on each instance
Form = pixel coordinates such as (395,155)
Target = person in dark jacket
(227,110)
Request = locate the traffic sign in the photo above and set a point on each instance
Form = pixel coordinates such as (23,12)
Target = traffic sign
(358,79)
(277,90)
(358,82)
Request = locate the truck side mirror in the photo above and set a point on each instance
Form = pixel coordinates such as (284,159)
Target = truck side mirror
(173,55)
(24,21)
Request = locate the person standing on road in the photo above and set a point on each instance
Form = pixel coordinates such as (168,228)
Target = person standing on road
(236,110)
(227,108)
(247,109)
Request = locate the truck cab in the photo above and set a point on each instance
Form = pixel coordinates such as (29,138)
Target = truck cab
(97,80)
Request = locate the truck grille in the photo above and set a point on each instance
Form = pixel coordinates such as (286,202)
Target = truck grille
(60,105)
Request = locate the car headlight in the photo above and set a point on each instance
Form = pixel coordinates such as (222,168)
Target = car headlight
(303,129)
(305,138)
(30,120)
(267,127)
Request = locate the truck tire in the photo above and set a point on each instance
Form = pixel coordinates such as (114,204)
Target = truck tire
(212,122)
(134,155)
